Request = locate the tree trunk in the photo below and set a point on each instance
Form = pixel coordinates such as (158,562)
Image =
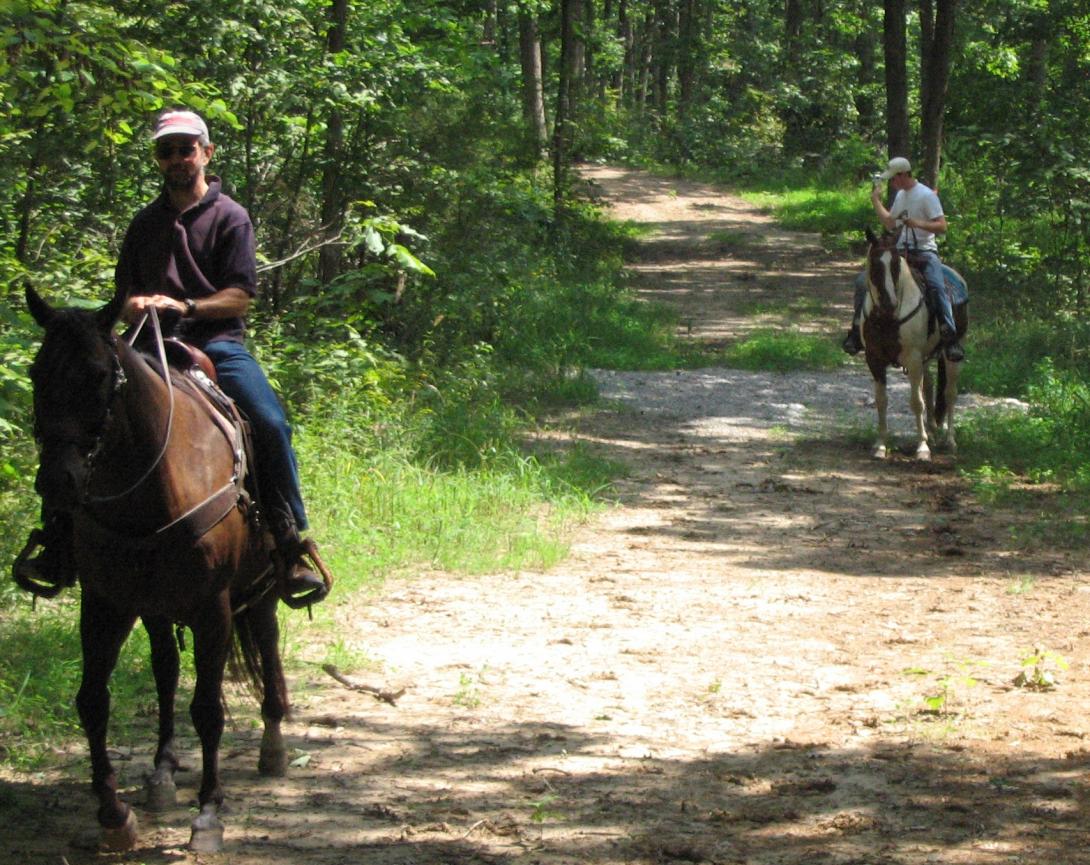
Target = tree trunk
(686,55)
(663,55)
(865,45)
(791,110)
(329,259)
(627,83)
(898,135)
(533,94)
(933,85)
(562,125)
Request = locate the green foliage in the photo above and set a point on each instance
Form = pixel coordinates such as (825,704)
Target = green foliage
(1049,443)
(40,670)
(1039,668)
(784,352)
(836,211)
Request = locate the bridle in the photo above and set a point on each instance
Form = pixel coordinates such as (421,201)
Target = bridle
(892,249)
(161,349)
(119,380)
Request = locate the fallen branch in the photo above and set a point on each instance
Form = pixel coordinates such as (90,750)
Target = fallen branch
(386,696)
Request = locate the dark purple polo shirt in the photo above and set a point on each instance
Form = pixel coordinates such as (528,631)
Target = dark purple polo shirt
(192,254)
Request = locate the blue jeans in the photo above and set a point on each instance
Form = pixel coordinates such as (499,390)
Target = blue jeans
(242,379)
(931,266)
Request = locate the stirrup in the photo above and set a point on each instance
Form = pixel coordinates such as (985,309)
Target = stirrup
(39,586)
(307,551)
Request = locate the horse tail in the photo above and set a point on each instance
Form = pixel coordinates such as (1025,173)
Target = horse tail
(940,393)
(256,635)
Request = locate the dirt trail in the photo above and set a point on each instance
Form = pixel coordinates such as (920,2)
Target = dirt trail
(733,666)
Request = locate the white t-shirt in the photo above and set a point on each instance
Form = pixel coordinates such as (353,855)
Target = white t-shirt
(919,202)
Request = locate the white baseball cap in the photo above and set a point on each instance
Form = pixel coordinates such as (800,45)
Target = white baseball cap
(897,165)
(179,123)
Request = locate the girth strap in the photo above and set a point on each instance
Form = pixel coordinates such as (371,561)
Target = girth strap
(190,527)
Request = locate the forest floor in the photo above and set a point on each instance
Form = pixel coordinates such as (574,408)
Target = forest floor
(772,649)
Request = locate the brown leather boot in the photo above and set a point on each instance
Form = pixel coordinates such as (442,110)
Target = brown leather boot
(299,586)
(53,569)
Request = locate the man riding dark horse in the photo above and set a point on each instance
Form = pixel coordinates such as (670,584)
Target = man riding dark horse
(917,213)
(190,254)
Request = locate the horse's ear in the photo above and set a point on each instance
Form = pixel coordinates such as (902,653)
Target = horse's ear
(43,313)
(108,315)
(871,237)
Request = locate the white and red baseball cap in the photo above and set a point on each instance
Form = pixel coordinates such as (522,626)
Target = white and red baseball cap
(179,123)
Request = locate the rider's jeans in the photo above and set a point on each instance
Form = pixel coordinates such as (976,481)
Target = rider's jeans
(931,267)
(242,379)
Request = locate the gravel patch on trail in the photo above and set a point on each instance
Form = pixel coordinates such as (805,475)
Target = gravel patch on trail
(715,400)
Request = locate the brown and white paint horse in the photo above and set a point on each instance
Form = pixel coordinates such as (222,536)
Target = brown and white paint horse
(896,332)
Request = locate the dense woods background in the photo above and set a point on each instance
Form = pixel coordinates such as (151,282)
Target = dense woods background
(408,166)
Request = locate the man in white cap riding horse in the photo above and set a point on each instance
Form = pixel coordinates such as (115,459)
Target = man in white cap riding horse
(917,211)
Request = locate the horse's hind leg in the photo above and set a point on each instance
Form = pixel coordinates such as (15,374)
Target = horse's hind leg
(102,633)
(259,641)
(211,642)
(161,792)
(948,386)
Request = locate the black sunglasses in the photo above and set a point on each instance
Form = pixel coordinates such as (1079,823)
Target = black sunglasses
(166,151)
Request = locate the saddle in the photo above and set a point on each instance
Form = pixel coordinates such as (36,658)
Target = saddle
(195,373)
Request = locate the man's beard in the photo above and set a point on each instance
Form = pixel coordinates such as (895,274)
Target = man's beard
(181,178)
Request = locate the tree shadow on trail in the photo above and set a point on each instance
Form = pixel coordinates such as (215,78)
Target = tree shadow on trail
(550,793)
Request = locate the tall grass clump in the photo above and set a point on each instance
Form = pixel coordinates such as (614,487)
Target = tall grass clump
(784,351)
(1049,443)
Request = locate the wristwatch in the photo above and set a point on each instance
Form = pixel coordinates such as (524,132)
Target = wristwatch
(190,307)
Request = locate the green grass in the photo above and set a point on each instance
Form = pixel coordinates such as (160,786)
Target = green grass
(802,309)
(39,675)
(376,515)
(784,351)
(839,215)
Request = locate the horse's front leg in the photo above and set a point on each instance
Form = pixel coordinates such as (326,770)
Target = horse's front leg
(211,643)
(103,631)
(881,402)
(916,400)
(931,420)
(161,791)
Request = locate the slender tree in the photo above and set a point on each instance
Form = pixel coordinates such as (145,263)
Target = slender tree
(562,126)
(898,133)
(533,91)
(332,196)
(937,36)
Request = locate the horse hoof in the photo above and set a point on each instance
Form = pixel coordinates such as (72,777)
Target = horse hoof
(206,832)
(272,760)
(162,795)
(120,838)
(879,452)
(272,764)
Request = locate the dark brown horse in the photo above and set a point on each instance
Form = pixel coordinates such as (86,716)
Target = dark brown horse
(152,481)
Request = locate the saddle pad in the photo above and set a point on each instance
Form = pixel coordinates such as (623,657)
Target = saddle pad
(955,285)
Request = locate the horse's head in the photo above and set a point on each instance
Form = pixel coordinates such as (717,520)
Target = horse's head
(884,266)
(75,376)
